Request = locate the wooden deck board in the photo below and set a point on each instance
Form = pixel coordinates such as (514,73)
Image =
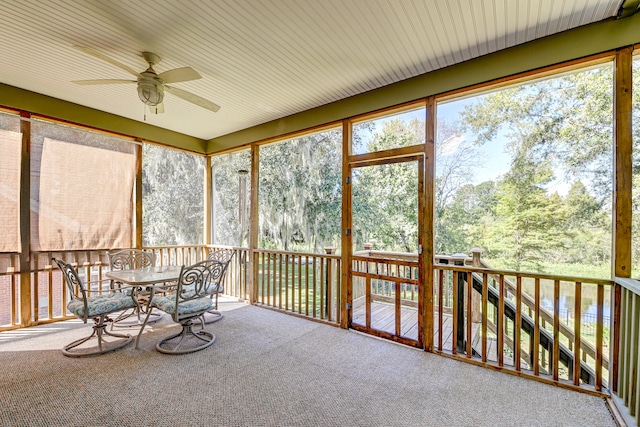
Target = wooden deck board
(383,319)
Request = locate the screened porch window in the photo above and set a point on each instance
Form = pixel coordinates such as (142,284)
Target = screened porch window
(172,197)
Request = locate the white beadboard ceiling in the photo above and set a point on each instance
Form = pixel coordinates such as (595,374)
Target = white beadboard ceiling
(260,60)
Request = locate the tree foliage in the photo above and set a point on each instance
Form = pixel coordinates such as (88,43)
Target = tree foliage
(172,197)
(300,192)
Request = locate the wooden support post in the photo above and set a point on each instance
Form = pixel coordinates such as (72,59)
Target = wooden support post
(138,196)
(459,308)
(426,226)
(25,227)
(346,285)
(208,200)
(622,191)
(253,232)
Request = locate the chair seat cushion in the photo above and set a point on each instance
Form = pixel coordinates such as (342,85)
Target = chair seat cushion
(194,306)
(101,304)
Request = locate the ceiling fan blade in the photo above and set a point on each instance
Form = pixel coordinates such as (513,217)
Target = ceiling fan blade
(194,99)
(179,75)
(102,82)
(105,58)
(157,109)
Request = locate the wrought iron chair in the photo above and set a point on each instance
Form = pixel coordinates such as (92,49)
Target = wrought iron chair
(84,305)
(193,297)
(223,255)
(129,259)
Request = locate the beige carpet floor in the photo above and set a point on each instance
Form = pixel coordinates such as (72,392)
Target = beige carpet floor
(268,369)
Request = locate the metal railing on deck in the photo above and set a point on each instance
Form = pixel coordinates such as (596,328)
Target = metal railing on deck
(302,283)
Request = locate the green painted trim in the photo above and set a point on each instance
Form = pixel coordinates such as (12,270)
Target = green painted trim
(35,103)
(572,44)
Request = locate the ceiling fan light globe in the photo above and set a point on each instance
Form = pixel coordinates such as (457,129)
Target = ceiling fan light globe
(150,93)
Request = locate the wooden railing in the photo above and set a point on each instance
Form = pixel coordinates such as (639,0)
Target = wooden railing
(384,272)
(494,324)
(505,320)
(625,393)
(48,293)
(306,284)
(237,279)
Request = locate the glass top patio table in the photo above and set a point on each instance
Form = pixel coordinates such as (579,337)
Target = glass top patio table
(146,277)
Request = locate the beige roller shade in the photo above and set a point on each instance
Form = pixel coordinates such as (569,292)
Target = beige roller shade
(85,197)
(10,148)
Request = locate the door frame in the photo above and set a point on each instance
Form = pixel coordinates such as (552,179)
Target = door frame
(398,155)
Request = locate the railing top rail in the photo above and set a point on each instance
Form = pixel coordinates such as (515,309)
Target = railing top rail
(176,247)
(470,269)
(235,248)
(385,260)
(632,285)
(309,254)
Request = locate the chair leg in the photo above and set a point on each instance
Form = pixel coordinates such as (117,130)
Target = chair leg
(165,345)
(99,331)
(138,312)
(212,315)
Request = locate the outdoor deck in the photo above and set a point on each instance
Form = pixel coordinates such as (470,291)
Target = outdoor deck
(383,319)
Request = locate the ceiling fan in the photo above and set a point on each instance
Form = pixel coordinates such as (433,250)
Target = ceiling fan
(151,85)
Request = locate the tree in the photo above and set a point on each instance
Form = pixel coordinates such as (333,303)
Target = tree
(527,220)
(300,192)
(172,197)
(559,130)
(385,197)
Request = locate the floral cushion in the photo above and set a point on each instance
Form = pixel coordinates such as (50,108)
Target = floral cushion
(195,306)
(101,304)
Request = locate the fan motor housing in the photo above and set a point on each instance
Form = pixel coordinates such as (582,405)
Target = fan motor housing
(150,91)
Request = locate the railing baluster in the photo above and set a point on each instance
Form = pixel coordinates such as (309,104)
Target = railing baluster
(556,329)
(517,325)
(398,307)
(314,289)
(299,282)
(440,307)
(306,285)
(577,323)
(536,329)
(485,314)
(323,287)
(280,281)
(469,314)
(500,323)
(454,320)
(49,269)
(599,332)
